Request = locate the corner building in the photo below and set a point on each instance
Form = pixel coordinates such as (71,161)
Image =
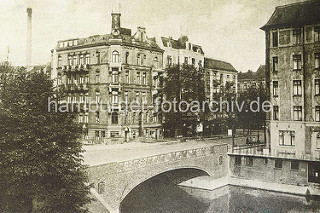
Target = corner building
(293,80)
(108,69)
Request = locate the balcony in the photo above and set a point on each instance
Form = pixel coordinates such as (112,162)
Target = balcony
(114,86)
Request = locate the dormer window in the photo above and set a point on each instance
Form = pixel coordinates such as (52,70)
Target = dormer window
(75,42)
(169,44)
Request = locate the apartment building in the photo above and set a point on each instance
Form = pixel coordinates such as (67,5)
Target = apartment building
(109,69)
(180,51)
(293,83)
(221,80)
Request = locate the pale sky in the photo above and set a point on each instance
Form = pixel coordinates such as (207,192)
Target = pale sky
(226,29)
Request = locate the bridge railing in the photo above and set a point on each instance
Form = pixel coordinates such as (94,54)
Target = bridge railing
(170,156)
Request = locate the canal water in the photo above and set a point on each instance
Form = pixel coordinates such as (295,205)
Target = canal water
(159,195)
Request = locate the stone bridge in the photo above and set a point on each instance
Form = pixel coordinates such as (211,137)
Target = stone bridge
(114,181)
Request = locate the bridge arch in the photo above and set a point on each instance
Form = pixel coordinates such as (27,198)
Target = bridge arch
(174,175)
(149,176)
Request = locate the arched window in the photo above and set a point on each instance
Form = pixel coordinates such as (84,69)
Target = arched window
(115,56)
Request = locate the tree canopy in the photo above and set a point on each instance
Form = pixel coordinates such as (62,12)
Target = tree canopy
(40,157)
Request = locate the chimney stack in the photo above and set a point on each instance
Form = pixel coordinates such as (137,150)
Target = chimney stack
(29,37)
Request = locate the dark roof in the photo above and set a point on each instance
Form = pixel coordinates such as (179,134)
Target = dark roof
(295,15)
(261,72)
(211,63)
(249,75)
(180,43)
(104,39)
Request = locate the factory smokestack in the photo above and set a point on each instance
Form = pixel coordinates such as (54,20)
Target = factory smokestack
(29,37)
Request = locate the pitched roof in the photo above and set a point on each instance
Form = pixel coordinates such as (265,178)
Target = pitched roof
(295,15)
(211,63)
(180,43)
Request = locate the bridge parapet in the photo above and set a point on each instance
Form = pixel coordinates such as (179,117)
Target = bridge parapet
(119,178)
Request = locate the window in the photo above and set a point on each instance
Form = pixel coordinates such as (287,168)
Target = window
(144,99)
(81,98)
(138,59)
(86,98)
(126,94)
(98,57)
(81,60)
(144,78)
(87,59)
(81,79)
(80,118)
(317,114)
(155,118)
(297,62)
(317,33)
(237,160)
(169,60)
(114,99)
(186,60)
(266,160)
(275,89)
(143,59)
(286,138)
(275,64)
(137,97)
(318,140)
(115,78)
(97,135)
(278,163)
(115,56)
(86,118)
(103,134)
(97,117)
(249,161)
(317,86)
(114,118)
(74,99)
(69,99)
(138,78)
(97,76)
(70,60)
(127,58)
(317,60)
(297,88)
(193,61)
(294,165)
(127,77)
(297,36)
(59,61)
(75,60)
(155,62)
(275,39)
(97,96)
(275,113)
(297,113)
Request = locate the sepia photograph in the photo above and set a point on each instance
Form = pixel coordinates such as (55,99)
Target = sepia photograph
(159,106)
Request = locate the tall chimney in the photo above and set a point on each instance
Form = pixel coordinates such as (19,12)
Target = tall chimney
(29,38)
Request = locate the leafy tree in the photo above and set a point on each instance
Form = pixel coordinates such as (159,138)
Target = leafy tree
(40,158)
(248,119)
(183,83)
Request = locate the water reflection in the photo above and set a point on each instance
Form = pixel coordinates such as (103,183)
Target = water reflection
(159,194)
